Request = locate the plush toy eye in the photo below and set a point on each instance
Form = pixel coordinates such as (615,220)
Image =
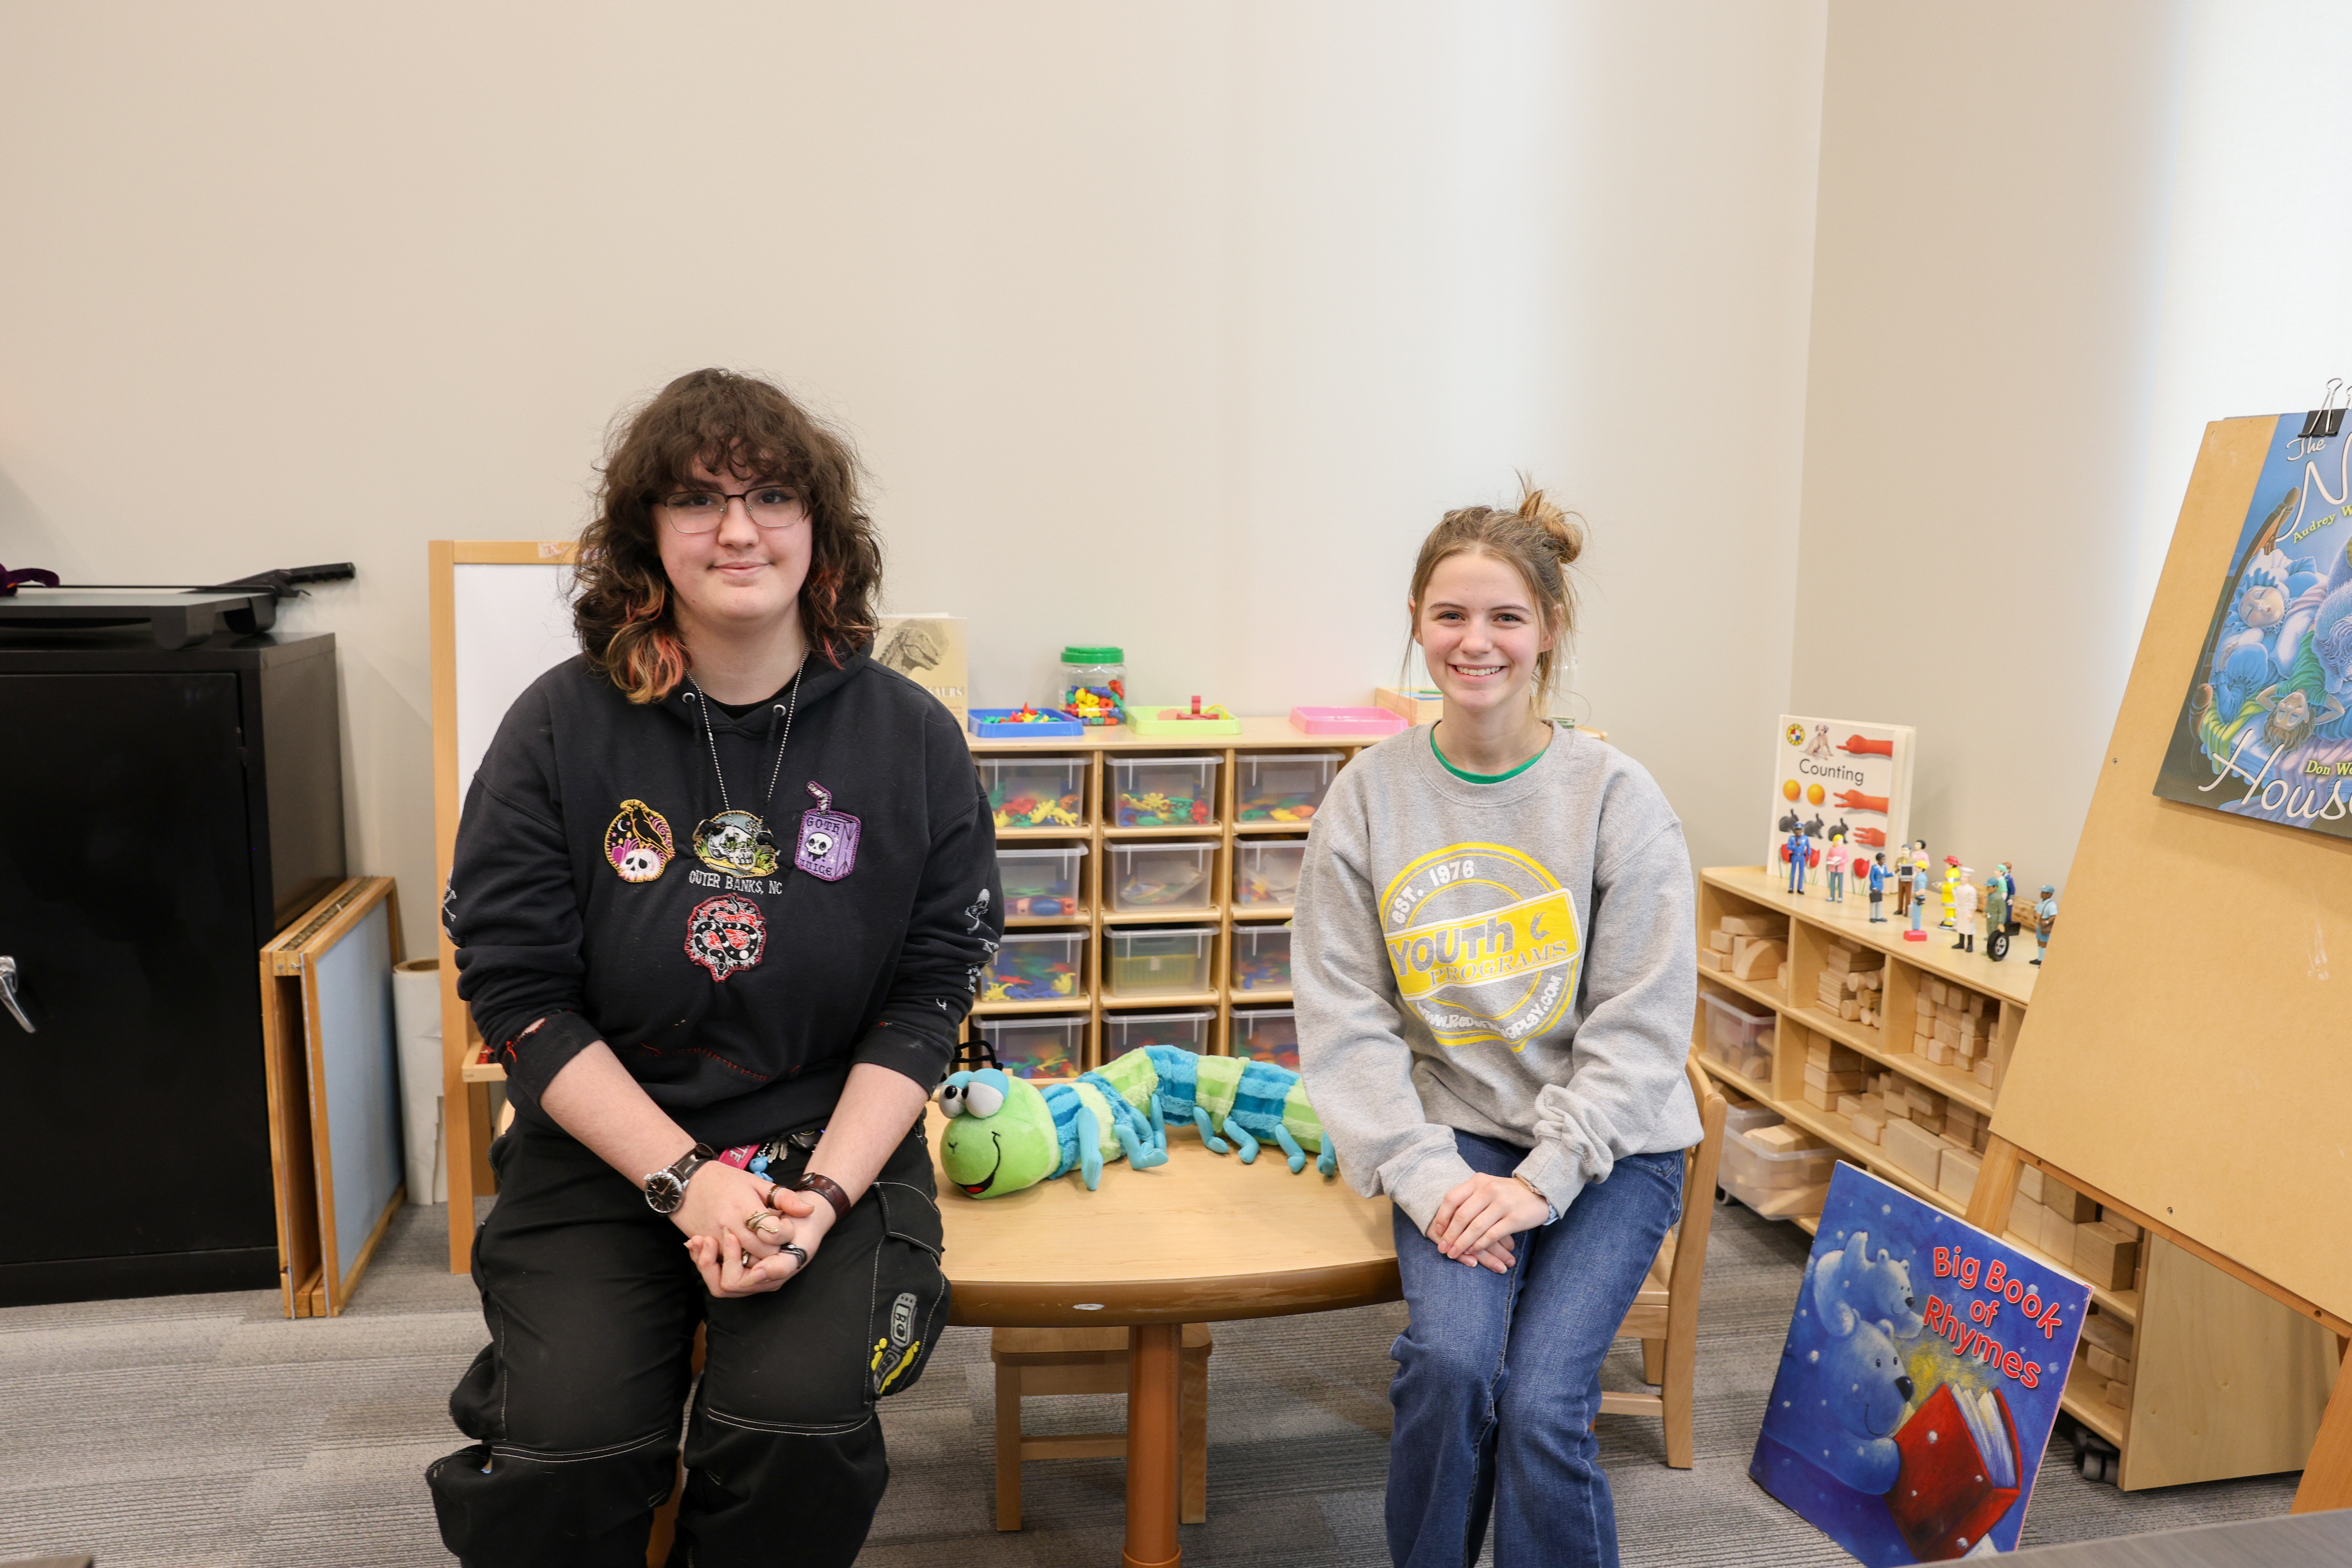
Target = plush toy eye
(951,1095)
(983,1099)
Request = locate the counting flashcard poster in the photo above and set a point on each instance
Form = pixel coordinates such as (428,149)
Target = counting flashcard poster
(1919,1382)
(1831,776)
(2264,728)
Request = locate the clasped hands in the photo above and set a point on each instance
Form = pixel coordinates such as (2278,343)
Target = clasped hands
(1475,1221)
(739,1225)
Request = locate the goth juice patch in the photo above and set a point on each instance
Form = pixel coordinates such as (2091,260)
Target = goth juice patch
(829,840)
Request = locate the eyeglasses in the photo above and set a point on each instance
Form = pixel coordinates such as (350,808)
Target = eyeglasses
(701,512)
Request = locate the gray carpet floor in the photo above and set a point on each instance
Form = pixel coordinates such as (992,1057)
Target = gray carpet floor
(209,1432)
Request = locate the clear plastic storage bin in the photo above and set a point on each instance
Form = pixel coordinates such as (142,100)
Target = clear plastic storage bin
(1125,1032)
(1266,1034)
(1768,1178)
(1261,958)
(1156,876)
(1037,1047)
(1036,791)
(1738,1038)
(1160,961)
(1164,792)
(1038,966)
(1282,787)
(1266,872)
(1042,883)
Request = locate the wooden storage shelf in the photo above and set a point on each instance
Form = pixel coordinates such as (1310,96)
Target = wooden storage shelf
(1098,832)
(2194,1413)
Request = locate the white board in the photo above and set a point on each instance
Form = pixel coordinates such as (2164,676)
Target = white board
(513,623)
(358,1053)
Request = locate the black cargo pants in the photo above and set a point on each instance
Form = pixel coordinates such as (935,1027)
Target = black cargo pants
(574,1405)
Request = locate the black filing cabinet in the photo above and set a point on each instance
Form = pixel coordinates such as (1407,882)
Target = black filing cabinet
(163,814)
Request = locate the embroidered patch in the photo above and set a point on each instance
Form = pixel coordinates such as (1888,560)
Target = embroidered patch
(735,842)
(726,934)
(638,843)
(828,843)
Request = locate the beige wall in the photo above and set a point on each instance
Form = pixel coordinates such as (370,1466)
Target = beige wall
(1995,183)
(1172,326)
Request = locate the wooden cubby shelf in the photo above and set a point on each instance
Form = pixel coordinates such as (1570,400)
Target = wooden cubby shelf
(2202,1342)
(1099,835)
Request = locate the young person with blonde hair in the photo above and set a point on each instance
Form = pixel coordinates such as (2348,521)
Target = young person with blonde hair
(1496,973)
(722,891)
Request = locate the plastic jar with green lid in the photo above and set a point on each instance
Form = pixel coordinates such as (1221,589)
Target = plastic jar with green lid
(1094,684)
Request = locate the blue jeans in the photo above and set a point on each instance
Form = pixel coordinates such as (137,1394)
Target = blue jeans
(1498,1375)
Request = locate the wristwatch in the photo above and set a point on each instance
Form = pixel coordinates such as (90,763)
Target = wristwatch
(665,1188)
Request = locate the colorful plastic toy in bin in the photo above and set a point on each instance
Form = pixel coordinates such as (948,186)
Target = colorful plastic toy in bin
(1094,684)
(1037,966)
(1282,787)
(1125,1032)
(1164,791)
(1043,883)
(1266,1034)
(1199,719)
(1262,957)
(1035,792)
(1158,876)
(1037,1047)
(1024,723)
(1160,961)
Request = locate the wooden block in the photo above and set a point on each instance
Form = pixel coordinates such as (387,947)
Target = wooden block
(1926,1009)
(1936,991)
(1710,959)
(1980,1137)
(1757,1066)
(1818,1099)
(1781,978)
(1869,1126)
(1759,959)
(1837,959)
(2068,1204)
(1976,1004)
(1985,1074)
(1931,1123)
(1752,925)
(1850,1010)
(2110,1334)
(1956,1175)
(2026,1218)
(2128,1227)
(1836,1083)
(1739,946)
(1719,940)
(1779,1138)
(2029,1183)
(1952,1140)
(1847,1104)
(2120,1395)
(2105,1256)
(2058,1237)
(2106,1363)
(1938,1054)
(1916,1153)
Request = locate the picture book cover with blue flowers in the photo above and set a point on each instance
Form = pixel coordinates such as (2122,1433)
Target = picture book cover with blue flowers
(2265,725)
(1920,1379)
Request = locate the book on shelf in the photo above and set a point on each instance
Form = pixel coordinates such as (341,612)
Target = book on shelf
(929,649)
(1831,776)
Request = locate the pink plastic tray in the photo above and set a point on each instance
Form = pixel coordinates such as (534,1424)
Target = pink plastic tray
(1347,720)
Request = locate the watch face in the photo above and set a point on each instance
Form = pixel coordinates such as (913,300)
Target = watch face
(665,1191)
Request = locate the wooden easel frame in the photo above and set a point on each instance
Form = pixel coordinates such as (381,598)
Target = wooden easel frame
(465,1084)
(301,1147)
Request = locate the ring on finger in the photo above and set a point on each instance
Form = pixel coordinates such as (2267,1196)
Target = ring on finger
(800,1256)
(758,1223)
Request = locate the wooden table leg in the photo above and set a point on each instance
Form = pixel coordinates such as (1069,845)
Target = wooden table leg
(1154,1361)
(2327,1475)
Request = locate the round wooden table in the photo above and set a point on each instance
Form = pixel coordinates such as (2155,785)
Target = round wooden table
(1202,1239)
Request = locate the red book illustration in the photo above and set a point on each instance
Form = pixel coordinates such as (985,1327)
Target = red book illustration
(1864,746)
(1959,1476)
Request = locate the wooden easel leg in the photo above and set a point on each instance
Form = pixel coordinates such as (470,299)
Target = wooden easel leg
(2328,1474)
(1154,1358)
(459,1128)
(1008,1447)
(1996,1188)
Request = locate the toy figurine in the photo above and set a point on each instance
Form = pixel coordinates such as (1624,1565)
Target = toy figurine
(1951,872)
(1799,849)
(1960,892)
(1877,887)
(1918,894)
(1902,883)
(1996,908)
(2045,915)
(2008,894)
(1833,862)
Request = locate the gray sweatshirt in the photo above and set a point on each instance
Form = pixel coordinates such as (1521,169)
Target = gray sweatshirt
(1516,959)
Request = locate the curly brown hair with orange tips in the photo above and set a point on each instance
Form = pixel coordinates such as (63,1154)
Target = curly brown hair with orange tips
(730,423)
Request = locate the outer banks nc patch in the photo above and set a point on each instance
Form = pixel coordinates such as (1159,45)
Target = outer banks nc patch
(726,934)
(1483,942)
(637,844)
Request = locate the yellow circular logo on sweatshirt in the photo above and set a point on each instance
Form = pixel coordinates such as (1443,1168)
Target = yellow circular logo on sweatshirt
(1484,943)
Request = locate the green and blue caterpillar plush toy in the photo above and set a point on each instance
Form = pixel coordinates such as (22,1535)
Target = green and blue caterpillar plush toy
(1005,1134)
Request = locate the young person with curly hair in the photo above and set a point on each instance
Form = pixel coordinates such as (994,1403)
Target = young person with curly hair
(722,889)
(1495,979)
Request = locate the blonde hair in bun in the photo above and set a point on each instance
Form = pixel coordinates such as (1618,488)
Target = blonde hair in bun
(1537,540)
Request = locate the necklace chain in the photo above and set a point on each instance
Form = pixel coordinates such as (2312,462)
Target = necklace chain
(791,703)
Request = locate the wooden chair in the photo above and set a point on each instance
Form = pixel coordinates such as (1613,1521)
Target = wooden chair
(1665,1315)
(1035,1362)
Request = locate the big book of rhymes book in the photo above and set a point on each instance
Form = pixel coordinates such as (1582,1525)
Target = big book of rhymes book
(1919,1382)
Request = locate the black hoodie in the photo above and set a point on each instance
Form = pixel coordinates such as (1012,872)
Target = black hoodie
(738,996)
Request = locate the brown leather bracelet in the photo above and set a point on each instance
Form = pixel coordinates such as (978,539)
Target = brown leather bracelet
(825,1187)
